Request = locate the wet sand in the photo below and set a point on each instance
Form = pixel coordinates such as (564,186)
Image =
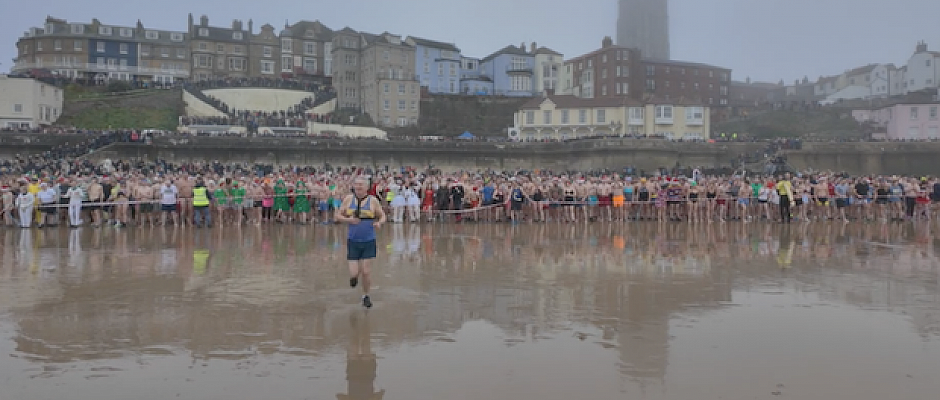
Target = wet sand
(540,312)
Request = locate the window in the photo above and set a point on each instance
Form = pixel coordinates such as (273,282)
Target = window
(238,49)
(310,64)
(414,105)
(310,48)
(664,114)
(564,117)
(267,67)
(650,85)
(104,30)
(625,88)
(601,117)
(77,45)
(176,37)
(928,62)
(236,64)
(180,53)
(100,62)
(204,32)
(17,108)
(266,51)
(99,47)
(39,45)
(453,69)
(123,48)
(401,88)
(238,35)
(350,59)
(203,46)
(604,58)
(933,112)
(546,117)
(530,117)
(123,64)
(724,90)
(582,116)
(694,114)
(590,63)
(57,44)
(126,32)
(386,104)
(636,114)
(617,86)
(386,88)
(287,63)
(385,55)
(913,113)
(145,50)
(286,45)
(402,121)
(402,105)
(164,52)
(650,70)
(220,48)
(521,84)
(152,35)
(604,90)
(77,29)
(604,73)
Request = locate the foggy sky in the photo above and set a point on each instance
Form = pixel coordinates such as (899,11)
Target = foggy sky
(763,39)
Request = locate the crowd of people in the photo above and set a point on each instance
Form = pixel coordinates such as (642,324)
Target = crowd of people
(125,193)
(294,116)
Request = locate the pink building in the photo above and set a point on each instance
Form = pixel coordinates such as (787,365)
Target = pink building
(903,121)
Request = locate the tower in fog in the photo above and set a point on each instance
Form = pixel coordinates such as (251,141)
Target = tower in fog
(644,24)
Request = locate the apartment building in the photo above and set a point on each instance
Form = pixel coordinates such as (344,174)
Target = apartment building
(437,65)
(97,51)
(376,75)
(670,79)
(610,71)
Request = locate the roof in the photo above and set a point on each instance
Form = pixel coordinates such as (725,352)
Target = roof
(757,85)
(62,28)
(432,44)
(347,31)
(218,34)
(598,51)
(300,29)
(569,101)
(682,63)
(862,70)
(372,39)
(511,50)
(546,50)
(826,79)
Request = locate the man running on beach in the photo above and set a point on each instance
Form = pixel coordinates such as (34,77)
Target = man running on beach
(363,213)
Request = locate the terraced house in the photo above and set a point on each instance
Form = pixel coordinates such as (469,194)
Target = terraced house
(307,49)
(438,65)
(219,52)
(96,51)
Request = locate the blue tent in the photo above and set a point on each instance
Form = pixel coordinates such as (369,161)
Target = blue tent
(466,135)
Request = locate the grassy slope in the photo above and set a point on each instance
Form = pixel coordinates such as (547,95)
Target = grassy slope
(773,124)
(143,109)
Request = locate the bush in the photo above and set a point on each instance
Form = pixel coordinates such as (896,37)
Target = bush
(119,87)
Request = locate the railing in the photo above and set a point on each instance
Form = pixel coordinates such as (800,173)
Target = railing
(93,67)
(519,69)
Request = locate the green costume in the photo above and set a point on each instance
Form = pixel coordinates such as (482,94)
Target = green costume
(220,196)
(238,195)
(280,196)
(301,203)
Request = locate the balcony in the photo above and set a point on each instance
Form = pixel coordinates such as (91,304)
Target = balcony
(519,69)
(104,68)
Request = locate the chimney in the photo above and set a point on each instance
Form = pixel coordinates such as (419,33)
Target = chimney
(190,20)
(249,26)
(748,80)
(140,25)
(522,46)
(204,20)
(921,47)
(607,42)
(236,25)
(534,47)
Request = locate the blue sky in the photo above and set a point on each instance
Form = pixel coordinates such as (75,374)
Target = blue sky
(762,39)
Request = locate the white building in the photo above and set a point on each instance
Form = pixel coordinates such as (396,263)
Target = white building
(28,103)
(547,68)
(922,69)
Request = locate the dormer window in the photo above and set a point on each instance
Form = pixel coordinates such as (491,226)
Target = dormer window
(203,32)
(104,30)
(237,36)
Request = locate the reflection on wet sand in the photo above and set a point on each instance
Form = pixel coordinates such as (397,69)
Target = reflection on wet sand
(265,299)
